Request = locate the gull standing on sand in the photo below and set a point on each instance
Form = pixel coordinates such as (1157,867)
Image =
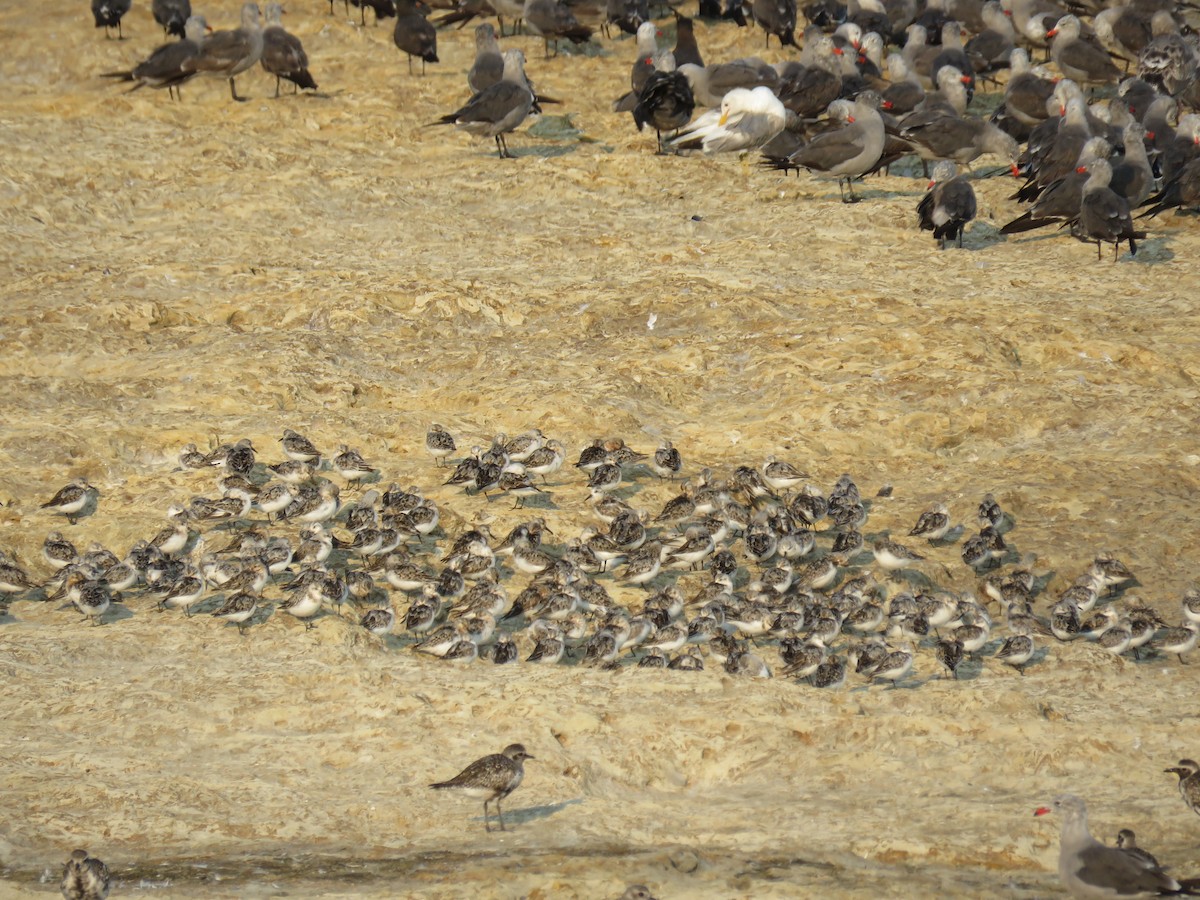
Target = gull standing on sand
(414,34)
(283,55)
(167,68)
(229,53)
(948,206)
(108,14)
(500,108)
(846,152)
(488,67)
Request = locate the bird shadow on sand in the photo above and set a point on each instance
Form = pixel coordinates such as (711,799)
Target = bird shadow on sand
(543,151)
(532,813)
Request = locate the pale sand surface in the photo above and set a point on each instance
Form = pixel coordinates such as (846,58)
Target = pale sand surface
(179,271)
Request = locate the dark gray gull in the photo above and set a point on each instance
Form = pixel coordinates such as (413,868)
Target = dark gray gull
(847,152)
(665,102)
(414,34)
(172,15)
(488,67)
(108,14)
(229,53)
(643,66)
(949,205)
(552,20)
(167,67)
(499,109)
(1090,869)
(1077,59)
(1103,214)
(283,55)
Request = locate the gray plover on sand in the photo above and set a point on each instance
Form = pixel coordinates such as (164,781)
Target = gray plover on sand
(84,878)
(1188,771)
(70,499)
(491,778)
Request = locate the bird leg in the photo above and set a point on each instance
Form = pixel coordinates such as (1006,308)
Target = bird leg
(276,87)
(500,814)
(233,91)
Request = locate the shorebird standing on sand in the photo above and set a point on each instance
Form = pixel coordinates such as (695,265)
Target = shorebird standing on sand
(493,777)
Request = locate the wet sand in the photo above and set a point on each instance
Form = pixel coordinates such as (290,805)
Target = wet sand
(207,270)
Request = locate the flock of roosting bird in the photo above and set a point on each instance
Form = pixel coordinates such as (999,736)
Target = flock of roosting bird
(753,569)
(841,108)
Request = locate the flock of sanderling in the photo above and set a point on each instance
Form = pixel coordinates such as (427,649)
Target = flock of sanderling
(752,569)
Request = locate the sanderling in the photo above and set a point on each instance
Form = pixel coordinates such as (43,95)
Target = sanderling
(93,600)
(545,460)
(667,461)
(830,674)
(274,498)
(933,524)
(892,556)
(57,551)
(439,443)
(238,608)
(515,480)
(240,458)
(71,499)
(298,448)
(292,472)
(191,458)
(84,878)
(350,464)
(1016,652)
(185,593)
(548,649)
(894,666)
(519,448)
(780,475)
(1177,641)
(13,579)
(604,478)
(592,456)
(504,650)
(491,778)
(949,652)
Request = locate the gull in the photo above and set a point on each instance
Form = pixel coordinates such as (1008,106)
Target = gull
(1089,868)
(229,53)
(499,109)
(747,119)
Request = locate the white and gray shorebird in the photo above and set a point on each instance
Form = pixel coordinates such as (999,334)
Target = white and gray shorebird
(84,878)
(499,109)
(491,778)
(71,499)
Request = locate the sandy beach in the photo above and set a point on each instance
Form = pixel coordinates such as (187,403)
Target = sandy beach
(203,271)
